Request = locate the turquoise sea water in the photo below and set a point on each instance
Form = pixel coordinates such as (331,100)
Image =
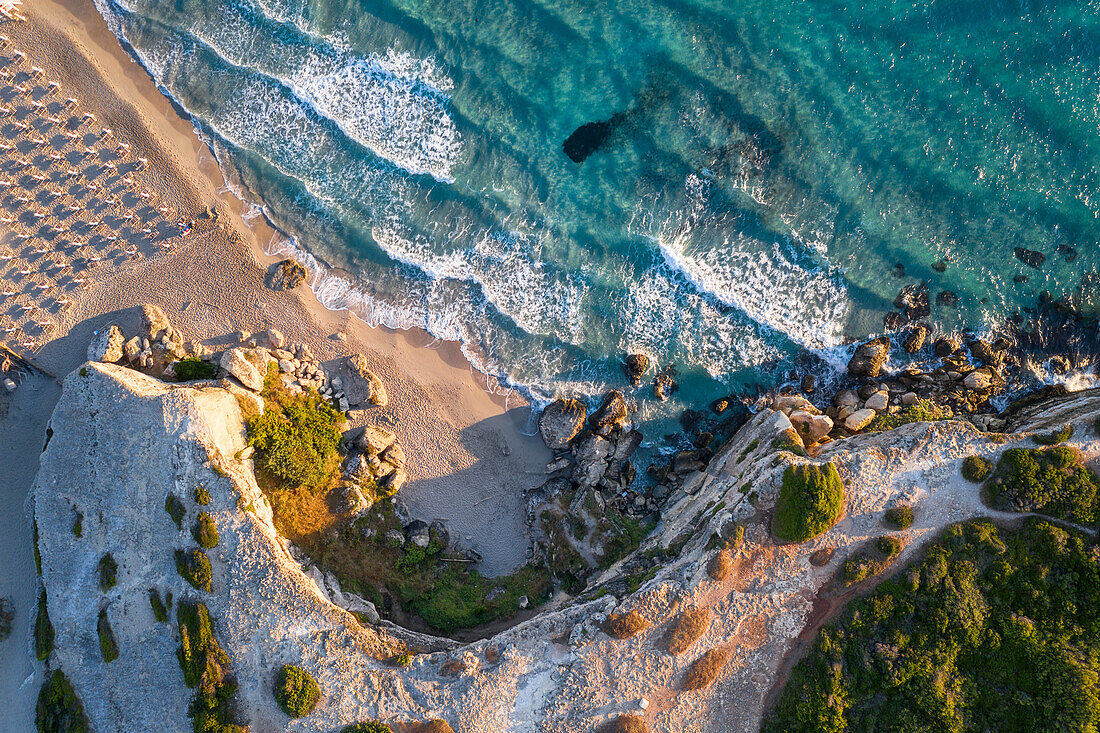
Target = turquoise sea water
(769,165)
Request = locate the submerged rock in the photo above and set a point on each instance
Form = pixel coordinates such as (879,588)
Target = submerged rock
(1030,257)
(560,422)
(913,300)
(635,366)
(914,340)
(285,275)
(588,138)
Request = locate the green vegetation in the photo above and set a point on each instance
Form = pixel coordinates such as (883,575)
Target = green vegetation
(900,516)
(789,440)
(205,532)
(202,496)
(922,411)
(43,630)
(193,368)
(810,502)
(296,437)
(59,710)
(7,617)
(403,660)
(992,630)
(37,553)
(1051,481)
(160,608)
(888,545)
(175,509)
(296,691)
(368,726)
(78,525)
(83,371)
(976,469)
(108,647)
(1058,436)
(194,566)
(748,449)
(108,572)
(206,667)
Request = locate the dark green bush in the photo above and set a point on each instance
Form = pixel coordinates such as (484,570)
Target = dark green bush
(37,553)
(369,726)
(296,439)
(206,667)
(59,710)
(888,545)
(7,617)
(1051,481)
(205,532)
(108,647)
(1058,436)
(202,496)
(194,566)
(108,572)
(296,691)
(810,501)
(976,469)
(78,525)
(175,509)
(160,608)
(43,630)
(991,630)
(900,516)
(193,368)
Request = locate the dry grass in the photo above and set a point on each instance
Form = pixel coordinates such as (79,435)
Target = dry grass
(721,565)
(624,625)
(625,724)
(686,630)
(704,670)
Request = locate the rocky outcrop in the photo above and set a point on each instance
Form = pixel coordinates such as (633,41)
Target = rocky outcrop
(869,358)
(107,345)
(635,366)
(360,384)
(240,368)
(285,275)
(560,422)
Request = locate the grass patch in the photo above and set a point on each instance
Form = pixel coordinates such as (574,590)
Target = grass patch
(193,368)
(748,449)
(43,630)
(368,726)
(206,667)
(204,531)
(108,572)
(108,647)
(991,630)
(37,553)
(704,670)
(624,625)
(922,411)
(976,469)
(160,607)
(810,502)
(1051,481)
(58,709)
(194,566)
(202,495)
(78,525)
(899,516)
(1058,436)
(296,691)
(175,509)
(686,629)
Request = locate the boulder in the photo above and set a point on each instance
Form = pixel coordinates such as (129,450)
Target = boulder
(688,461)
(913,300)
(394,455)
(395,481)
(869,358)
(789,403)
(846,398)
(878,401)
(107,345)
(560,422)
(153,321)
(859,419)
(980,380)
(439,534)
(348,499)
(610,414)
(132,349)
(234,362)
(274,338)
(625,446)
(590,455)
(361,607)
(914,340)
(983,352)
(1030,257)
(361,385)
(417,533)
(374,440)
(664,385)
(285,275)
(635,366)
(811,427)
(395,538)
(946,345)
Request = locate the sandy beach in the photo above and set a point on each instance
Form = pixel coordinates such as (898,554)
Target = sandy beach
(111,240)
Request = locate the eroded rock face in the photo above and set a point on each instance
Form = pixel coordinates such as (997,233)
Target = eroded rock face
(361,385)
(107,345)
(560,422)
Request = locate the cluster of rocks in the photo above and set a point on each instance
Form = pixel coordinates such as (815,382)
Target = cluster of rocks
(152,349)
(635,367)
(373,469)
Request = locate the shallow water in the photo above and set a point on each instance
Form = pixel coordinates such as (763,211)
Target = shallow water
(766,166)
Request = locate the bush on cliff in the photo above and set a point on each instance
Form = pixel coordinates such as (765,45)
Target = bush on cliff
(205,532)
(175,509)
(296,438)
(108,572)
(193,368)
(43,630)
(810,502)
(59,710)
(206,667)
(1054,438)
(194,566)
(296,691)
(108,647)
(1051,481)
(368,726)
(991,630)
(976,469)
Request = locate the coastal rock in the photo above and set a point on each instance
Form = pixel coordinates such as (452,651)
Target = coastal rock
(914,340)
(285,275)
(635,366)
(913,300)
(234,362)
(789,403)
(416,533)
(361,385)
(869,358)
(664,385)
(1030,257)
(560,422)
(981,380)
(859,419)
(984,353)
(348,499)
(946,345)
(274,338)
(394,481)
(811,427)
(878,401)
(107,345)
(132,349)
(590,455)
(947,298)
(610,414)
(375,440)
(846,398)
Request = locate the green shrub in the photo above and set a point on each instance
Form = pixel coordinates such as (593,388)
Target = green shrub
(888,545)
(976,469)
(175,509)
(900,516)
(922,411)
(368,726)
(194,566)
(990,630)
(1058,436)
(7,617)
(78,525)
(856,570)
(205,532)
(160,608)
(1051,481)
(108,572)
(296,439)
(202,496)
(43,630)
(296,691)
(59,710)
(193,368)
(205,667)
(108,647)
(810,501)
